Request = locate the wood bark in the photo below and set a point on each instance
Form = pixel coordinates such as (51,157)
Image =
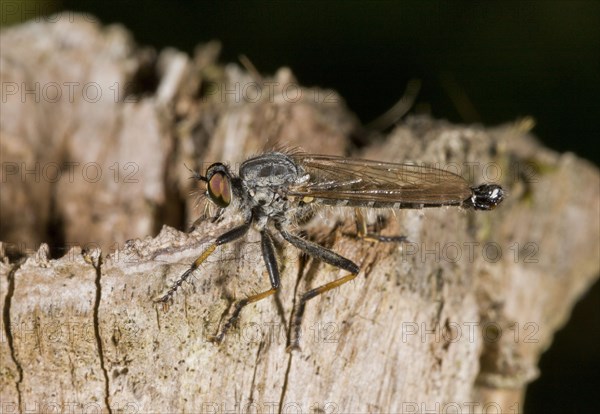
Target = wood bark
(453,320)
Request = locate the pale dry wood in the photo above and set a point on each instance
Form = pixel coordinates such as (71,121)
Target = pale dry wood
(419,329)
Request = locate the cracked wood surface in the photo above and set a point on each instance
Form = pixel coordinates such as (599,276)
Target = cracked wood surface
(457,317)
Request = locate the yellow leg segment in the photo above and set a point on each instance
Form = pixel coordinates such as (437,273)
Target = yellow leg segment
(165,298)
(236,313)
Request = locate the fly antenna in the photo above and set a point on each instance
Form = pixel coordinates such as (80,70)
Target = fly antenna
(196,175)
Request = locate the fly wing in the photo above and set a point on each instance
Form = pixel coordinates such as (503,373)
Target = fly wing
(363,181)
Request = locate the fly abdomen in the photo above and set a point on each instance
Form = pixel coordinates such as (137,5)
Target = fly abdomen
(485,197)
(396,205)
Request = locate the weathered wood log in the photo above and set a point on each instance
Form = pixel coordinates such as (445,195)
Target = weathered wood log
(455,318)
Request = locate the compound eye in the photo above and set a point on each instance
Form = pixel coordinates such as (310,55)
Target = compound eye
(219,189)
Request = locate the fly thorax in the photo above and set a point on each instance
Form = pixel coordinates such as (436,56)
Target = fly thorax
(268,200)
(270,170)
(267,178)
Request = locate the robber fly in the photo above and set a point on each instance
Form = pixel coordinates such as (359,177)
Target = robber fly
(275,190)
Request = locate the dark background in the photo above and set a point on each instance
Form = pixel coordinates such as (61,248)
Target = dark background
(510,59)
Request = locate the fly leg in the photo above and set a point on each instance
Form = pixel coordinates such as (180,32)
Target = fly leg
(268,253)
(319,252)
(215,219)
(362,231)
(228,237)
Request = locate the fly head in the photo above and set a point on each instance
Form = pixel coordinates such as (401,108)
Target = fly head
(218,184)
